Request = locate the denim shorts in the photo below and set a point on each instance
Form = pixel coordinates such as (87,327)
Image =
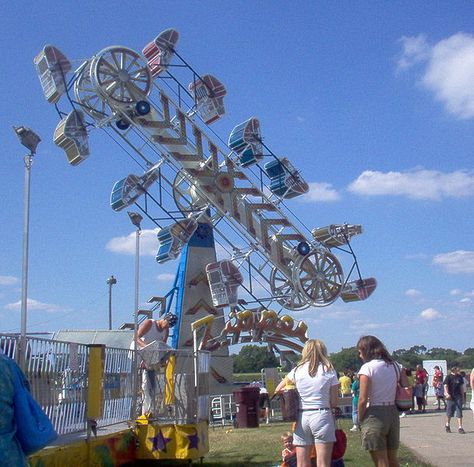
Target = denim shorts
(454,406)
(314,427)
(381,428)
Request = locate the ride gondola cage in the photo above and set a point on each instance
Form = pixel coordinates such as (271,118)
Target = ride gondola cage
(52,65)
(246,140)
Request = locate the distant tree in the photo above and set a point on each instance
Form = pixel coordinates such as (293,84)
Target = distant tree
(408,358)
(418,350)
(451,356)
(346,358)
(469,351)
(253,358)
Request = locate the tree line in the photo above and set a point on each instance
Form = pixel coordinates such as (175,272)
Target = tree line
(252,358)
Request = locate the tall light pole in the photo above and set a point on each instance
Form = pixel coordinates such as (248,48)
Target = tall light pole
(110,282)
(136,219)
(30,140)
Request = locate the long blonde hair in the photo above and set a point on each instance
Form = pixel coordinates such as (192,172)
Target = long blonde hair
(315,352)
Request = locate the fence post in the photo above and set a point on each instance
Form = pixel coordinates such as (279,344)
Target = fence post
(95,386)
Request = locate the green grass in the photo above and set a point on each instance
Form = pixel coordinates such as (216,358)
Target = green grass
(262,447)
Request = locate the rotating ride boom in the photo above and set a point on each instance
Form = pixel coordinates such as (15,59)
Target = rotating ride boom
(118,88)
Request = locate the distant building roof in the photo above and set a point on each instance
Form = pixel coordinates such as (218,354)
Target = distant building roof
(115,338)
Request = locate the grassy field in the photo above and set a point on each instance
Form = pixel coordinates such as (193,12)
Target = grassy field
(262,447)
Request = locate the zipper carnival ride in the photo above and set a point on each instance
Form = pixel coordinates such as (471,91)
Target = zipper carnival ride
(244,257)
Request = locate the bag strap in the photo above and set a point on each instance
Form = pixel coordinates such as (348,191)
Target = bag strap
(397,372)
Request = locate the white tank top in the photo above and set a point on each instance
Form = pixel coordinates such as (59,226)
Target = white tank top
(154,334)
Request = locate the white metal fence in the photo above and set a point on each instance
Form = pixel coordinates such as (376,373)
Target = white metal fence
(57,373)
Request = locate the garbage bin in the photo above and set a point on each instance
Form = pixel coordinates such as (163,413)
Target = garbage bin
(246,400)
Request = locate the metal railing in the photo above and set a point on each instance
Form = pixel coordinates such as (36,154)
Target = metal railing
(58,376)
(223,409)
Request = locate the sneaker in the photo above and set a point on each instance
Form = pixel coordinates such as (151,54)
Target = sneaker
(403,414)
(354,428)
(461,431)
(448,429)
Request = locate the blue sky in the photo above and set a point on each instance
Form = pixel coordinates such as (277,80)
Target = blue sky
(372,101)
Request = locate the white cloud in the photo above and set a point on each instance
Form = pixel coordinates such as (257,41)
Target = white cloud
(366,326)
(300,119)
(455,292)
(35,305)
(413,293)
(415,50)
(430,314)
(465,300)
(449,71)
(415,184)
(456,262)
(165,277)
(8,280)
(126,245)
(321,192)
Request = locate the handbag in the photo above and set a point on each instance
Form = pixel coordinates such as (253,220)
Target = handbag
(290,403)
(34,429)
(403,395)
(339,447)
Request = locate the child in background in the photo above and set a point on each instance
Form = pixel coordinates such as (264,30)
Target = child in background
(355,401)
(288,455)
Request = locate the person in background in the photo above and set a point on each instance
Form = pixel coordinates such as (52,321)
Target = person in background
(378,415)
(453,391)
(438,387)
(345,384)
(264,403)
(317,385)
(355,402)
(11,454)
(153,331)
(421,378)
(471,380)
(418,393)
(288,454)
(464,388)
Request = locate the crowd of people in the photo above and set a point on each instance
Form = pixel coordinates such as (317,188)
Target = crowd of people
(319,389)
(374,413)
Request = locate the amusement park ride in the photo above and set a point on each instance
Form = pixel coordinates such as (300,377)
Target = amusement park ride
(201,191)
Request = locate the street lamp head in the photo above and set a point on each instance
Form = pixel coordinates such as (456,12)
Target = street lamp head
(111,280)
(27,137)
(135,218)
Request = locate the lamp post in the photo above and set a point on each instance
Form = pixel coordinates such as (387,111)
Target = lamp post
(110,282)
(136,219)
(30,140)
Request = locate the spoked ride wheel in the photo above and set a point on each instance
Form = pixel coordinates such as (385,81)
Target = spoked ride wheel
(285,292)
(319,277)
(121,76)
(86,94)
(185,195)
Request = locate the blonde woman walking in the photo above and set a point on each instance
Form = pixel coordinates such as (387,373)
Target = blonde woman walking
(318,388)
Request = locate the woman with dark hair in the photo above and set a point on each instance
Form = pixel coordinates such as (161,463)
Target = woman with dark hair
(318,386)
(378,415)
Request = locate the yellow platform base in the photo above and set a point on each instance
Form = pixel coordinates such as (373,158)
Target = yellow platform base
(109,450)
(157,441)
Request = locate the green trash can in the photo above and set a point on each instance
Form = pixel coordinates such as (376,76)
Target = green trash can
(246,400)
